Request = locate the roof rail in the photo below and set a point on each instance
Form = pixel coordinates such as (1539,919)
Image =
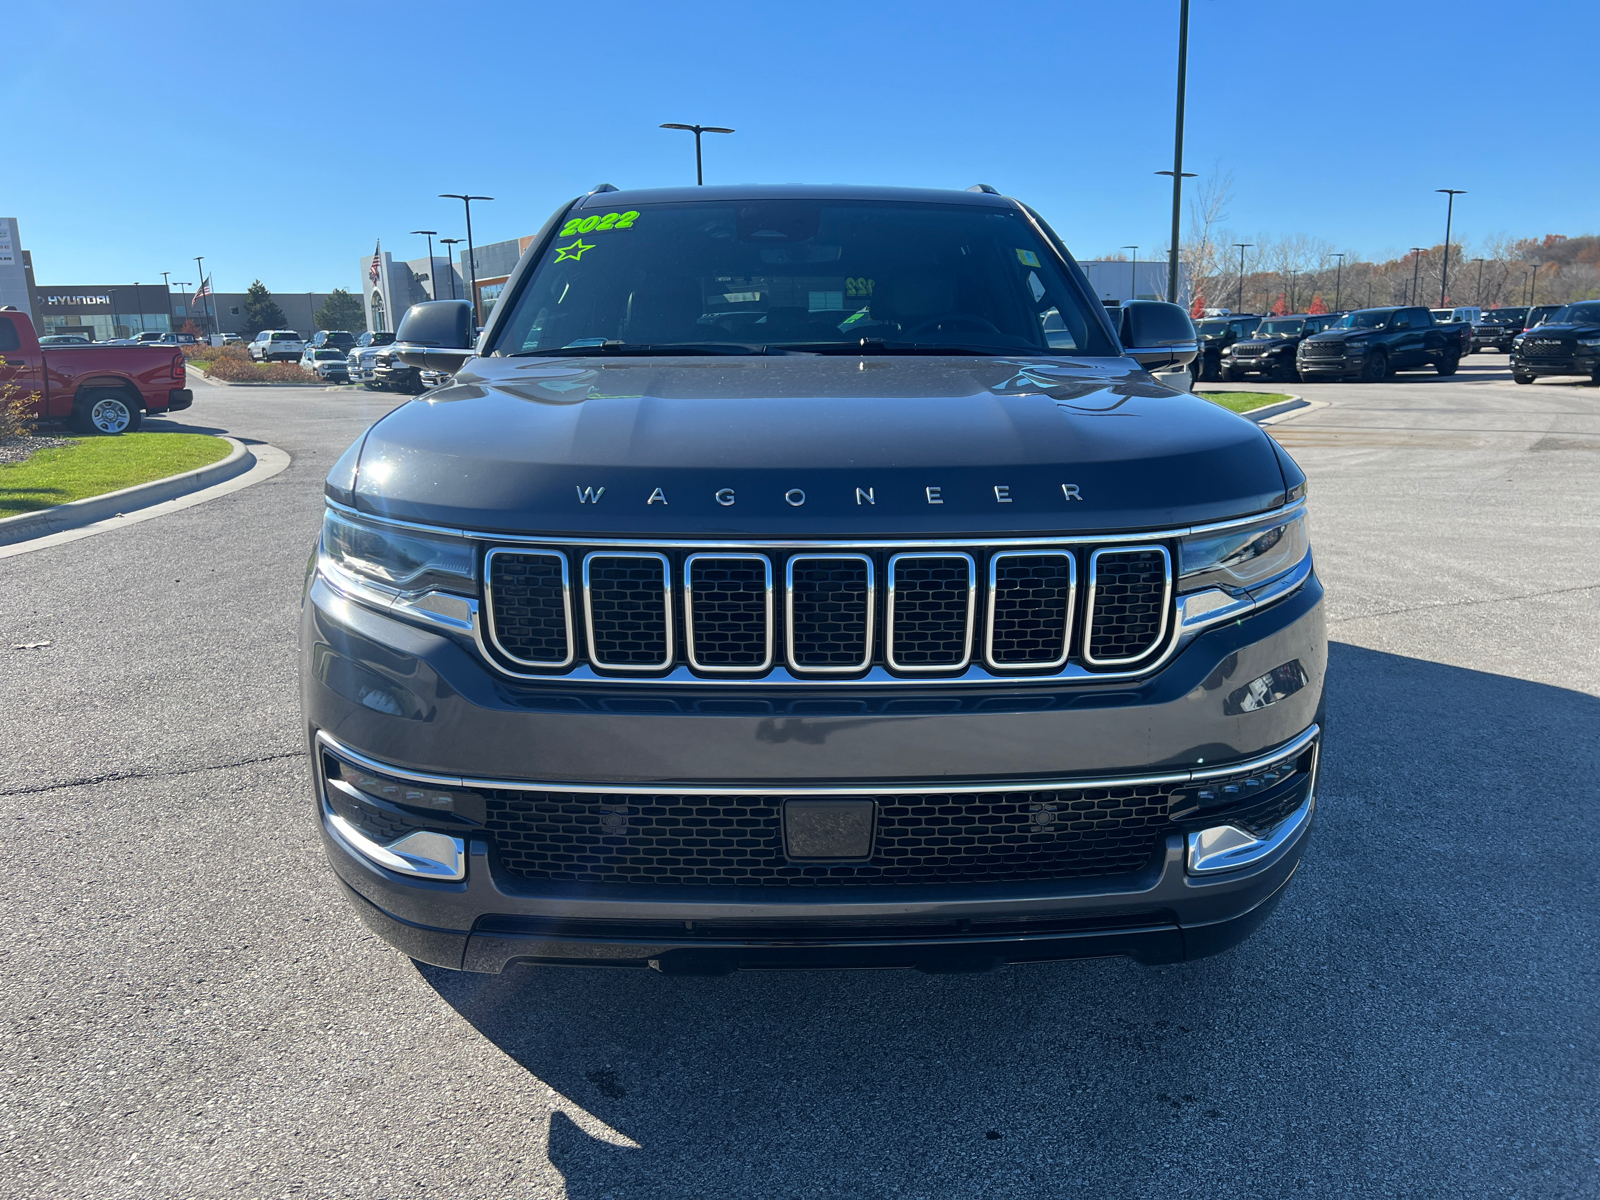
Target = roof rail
(984,187)
(602,187)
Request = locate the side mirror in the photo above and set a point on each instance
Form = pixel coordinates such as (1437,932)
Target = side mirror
(1157,334)
(436,334)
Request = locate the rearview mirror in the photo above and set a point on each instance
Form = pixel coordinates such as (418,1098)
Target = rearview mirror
(436,334)
(1157,334)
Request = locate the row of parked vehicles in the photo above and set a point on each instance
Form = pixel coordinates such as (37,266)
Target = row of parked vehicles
(1371,344)
(337,356)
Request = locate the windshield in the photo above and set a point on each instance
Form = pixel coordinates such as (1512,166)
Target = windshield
(1368,319)
(815,275)
(1504,316)
(1213,328)
(1578,314)
(331,354)
(286,337)
(1280,328)
(1444,314)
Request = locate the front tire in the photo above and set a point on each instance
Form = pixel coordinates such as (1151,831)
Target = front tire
(1522,376)
(106,412)
(1448,364)
(1376,368)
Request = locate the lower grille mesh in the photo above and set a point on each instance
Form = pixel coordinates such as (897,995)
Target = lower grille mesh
(712,841)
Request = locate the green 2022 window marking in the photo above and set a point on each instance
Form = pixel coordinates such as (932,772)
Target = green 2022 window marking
(598,224)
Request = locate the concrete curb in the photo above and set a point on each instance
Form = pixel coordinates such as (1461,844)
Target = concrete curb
(78,513)
(1283,410)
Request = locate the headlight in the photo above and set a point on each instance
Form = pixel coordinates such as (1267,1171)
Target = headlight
(1240,559)
(428,575)
(1589,341)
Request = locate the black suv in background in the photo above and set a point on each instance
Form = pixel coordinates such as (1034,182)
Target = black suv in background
(1270,350)
(363,356)
(1216,335)
(335,339)
(1497,327)
(1567,344)
(1374,343)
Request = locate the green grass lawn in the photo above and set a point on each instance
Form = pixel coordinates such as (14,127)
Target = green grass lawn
(1244,401)
(96,465)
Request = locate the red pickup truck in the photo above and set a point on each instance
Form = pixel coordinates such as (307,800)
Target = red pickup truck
(99,389)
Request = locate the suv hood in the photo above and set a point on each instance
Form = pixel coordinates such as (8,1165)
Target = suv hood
(808,446)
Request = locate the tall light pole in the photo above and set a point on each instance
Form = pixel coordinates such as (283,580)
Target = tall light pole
(450,245)
(1338,278)
(1293,275)
(1177,152)
(1533,283)
(1449,212)
(1240,247)
(1416,266)
(1478,292)
(472,258)
(433,284)
(697,130)
(1133,293)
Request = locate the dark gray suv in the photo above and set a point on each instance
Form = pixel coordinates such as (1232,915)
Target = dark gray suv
(809,577)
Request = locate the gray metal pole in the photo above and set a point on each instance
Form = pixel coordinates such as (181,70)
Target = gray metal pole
(1177,152)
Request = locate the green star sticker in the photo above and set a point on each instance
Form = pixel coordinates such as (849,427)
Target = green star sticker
(574,251)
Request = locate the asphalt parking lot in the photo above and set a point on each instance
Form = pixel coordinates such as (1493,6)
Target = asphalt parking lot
(190,1009)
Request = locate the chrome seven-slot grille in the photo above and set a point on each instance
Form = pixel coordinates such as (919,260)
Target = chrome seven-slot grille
(827,613)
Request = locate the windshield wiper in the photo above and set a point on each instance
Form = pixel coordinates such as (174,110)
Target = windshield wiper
(646,349)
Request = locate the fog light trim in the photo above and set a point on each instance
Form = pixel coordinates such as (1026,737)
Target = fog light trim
(1229,848)
(424,854)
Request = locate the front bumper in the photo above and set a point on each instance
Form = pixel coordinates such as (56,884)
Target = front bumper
(1344,365)
(410,700)
(1585,361)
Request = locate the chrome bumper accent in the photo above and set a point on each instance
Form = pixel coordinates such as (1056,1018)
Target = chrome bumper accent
(1229,848)
(422,854)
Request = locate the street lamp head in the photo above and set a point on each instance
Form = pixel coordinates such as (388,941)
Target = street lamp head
(450,241)
(429,232)
(697,128)
(1181,174)
(1451,191)
(460,196)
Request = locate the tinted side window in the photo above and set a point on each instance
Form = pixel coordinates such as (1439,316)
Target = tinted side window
(9,338)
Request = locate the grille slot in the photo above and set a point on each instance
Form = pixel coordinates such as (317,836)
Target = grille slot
(930,611)
(530,607)
(628,610)
(1322,349)
(1030,609)
(828,618)
(727,604)
(737,841)
(1129,594)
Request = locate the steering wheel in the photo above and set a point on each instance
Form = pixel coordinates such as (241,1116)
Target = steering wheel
(971,320)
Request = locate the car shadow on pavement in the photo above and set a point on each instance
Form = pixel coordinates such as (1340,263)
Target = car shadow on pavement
(1412,1020)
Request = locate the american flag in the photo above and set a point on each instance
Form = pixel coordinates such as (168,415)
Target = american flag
(205,290)
(377,257)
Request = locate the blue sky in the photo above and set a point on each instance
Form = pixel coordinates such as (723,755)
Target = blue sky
(280,140)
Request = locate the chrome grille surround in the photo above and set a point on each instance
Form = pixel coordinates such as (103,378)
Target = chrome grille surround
(691,625)
(993,606)
(566,606)
(871,605)
(897,598)
(1188,613)
(589,623)
(1093,605)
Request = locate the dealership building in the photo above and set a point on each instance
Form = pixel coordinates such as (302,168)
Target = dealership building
(389,287)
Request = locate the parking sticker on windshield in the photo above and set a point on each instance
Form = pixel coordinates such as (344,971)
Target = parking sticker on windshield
(599,224)
(1027,258)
